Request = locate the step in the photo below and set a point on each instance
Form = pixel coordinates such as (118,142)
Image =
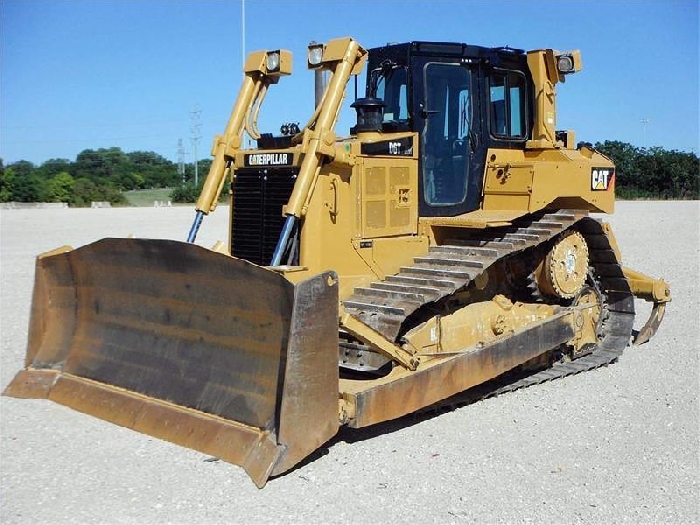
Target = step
(389,294)
(540,232)
(561,216)
(549,225)
(446,286)
(459,275)
(474,251)
(372,307)
(511,238)
(448,261)
(427,291)
(527,237)
(484,242)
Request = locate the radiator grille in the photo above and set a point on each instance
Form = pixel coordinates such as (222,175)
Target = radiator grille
(258,197)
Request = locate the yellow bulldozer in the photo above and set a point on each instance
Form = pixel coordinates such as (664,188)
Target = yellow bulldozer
(444,244)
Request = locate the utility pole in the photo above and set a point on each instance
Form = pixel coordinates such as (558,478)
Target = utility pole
(181,160)
(196,129)
(645,122)
(243,36)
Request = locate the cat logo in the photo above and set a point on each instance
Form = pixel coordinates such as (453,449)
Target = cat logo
(602,178)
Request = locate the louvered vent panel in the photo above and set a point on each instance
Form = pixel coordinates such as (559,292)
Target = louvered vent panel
(258,197)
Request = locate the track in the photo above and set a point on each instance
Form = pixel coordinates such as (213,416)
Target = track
(386,305)
(617,327)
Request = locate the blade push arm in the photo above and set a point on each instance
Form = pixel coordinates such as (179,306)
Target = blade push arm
(262,68)
(344,57)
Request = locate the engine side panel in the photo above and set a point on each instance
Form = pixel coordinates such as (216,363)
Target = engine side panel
(532,180)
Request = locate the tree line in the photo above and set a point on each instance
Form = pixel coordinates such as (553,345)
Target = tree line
(95,175)
(652,173)
(104,174)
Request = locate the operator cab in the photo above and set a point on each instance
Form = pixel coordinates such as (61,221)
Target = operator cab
(461,100)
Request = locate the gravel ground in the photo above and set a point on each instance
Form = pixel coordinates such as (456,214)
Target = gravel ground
(616,445)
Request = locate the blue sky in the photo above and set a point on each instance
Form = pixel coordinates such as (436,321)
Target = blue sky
(90,74)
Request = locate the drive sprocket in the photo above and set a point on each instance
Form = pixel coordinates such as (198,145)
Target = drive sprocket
(563,272)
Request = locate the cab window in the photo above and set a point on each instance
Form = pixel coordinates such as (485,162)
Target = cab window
(507,105)
(390,84)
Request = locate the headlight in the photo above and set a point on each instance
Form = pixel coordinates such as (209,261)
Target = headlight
(565,64)
(315,55)
(273,61)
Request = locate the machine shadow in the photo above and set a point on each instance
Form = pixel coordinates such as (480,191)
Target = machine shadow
(355,435)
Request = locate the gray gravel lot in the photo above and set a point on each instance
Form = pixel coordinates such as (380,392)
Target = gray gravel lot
(616,445)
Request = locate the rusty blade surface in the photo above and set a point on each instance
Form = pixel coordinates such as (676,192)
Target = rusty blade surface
(141,332)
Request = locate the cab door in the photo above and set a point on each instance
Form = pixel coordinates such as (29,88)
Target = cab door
(448,119)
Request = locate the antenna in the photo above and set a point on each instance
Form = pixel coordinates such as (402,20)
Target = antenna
(196,129)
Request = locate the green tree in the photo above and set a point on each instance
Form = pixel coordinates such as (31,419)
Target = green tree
(188,192)
(185,193)
(84,191)
(53,167)
(7,185)
(653,173)
(139,182)
(22,168)
(60,188)
(202,170)
(25,185)
(625,156)
(155,170)
(103,165)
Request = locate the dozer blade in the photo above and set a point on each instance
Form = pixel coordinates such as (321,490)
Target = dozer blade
(187,345)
